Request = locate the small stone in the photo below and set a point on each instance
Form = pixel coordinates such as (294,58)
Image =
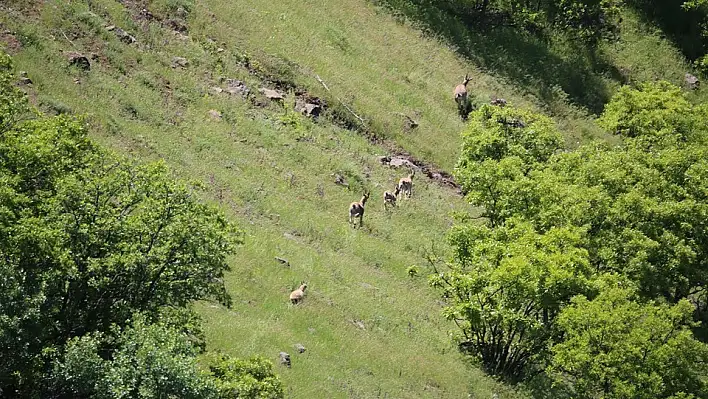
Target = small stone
(220,50)
(271,94)
(179,62)
(285,359)
(79,60)
(383,159)
(181,12)
(24,79)
(340,180)
(359,324)
(217,89)
(499,102)
(692,82)
(215,114)
(110,27)
(177,25)
(300,348)
(237,87)
(124,36)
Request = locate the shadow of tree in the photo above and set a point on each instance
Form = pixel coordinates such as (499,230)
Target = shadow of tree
(527,59)
(681,27)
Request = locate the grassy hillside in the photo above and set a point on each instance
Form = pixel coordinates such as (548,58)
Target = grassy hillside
(370,329)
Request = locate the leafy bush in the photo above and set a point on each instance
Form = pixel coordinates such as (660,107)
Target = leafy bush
(506,287)
(559,221)
(89,239)
(500,147)
(252,378)
(653,112)
(145,360)
(614,347)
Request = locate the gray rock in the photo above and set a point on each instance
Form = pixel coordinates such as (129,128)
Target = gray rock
(271,94)
(300,348)
(285,359)
(181,12)
(359,324)
(692,82)
(179,62)
(500,102)
(402,162)
(79,60)
(215,114)
(124,36)
(307,108)
(237,87)
(24,79)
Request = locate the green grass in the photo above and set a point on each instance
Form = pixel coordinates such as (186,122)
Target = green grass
(272,171)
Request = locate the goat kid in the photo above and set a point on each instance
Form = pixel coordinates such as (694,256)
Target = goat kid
(297,295)
(390,198)
(405,185)
(356,210)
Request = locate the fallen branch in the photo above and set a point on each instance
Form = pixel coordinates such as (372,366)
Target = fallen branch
(67,38)
(340,101)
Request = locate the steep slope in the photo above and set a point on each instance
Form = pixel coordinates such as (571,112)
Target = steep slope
(370,329)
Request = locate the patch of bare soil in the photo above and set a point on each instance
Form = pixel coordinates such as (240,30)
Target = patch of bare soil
(9,41)
(400,159)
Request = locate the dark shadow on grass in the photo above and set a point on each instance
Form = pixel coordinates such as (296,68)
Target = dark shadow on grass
(681,27)
(523,57)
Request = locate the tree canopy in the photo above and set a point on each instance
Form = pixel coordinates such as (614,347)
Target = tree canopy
(89,241)
(558,222)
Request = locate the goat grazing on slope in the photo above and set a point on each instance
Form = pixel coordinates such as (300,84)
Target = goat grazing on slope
(356,210)
(462,99)
(405,185)
(390,198)
(297,295)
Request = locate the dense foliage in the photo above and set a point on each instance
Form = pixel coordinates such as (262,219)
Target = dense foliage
(156,360)
(559,222)
(586,20)
(89,240)
(615,347)
(508,286)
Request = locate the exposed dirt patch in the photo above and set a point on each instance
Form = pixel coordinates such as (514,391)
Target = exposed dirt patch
(401,159)
(9,41)
(141,14)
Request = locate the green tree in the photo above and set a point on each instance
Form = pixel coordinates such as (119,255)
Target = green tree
(145,361)
(13,102)
(251,379)
(156,360)
(506,287)
(87,239)
(614,347)
(500,149)
(654,113)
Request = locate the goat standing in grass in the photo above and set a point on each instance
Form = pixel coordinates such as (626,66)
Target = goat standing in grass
(356,210)
(462,99)
(390,198)
(297,295)
(405,185)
